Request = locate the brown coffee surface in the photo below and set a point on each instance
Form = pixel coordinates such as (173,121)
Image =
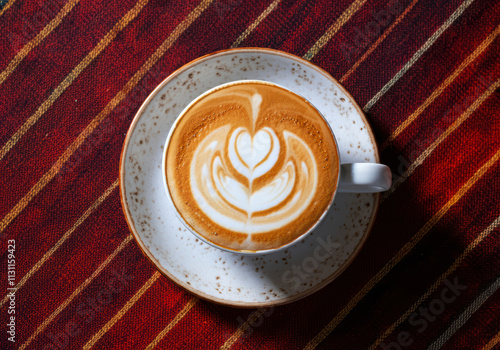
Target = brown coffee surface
(251,166)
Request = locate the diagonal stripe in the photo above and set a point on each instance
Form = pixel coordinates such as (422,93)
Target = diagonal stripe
(255,23)
(77,291)
(56,167)
(465,315)
(122,312)
(377,43)
(402,252)
(58,91)
(172,323)
(494,225)
(5,8)
(241,330)
(458,12)
(197,11)
(440,139)
(63,239)
(334,28)
(494,341)
(435,94)
(37,39)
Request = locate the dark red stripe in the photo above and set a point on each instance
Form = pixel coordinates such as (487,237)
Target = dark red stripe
(133,268)
(22,22)
(428,323)
(147,318)
(451,104)
(480,328)
(69,266)
(23,158)
(295,25)
(352,41)
(208,326)
(53,59)
(72,117)
(405,283)
(402,224)
(433,67)
(410,279)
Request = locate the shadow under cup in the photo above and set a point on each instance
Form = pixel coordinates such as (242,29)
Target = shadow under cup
(252,167)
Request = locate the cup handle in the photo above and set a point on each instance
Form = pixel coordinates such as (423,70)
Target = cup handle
(364,178)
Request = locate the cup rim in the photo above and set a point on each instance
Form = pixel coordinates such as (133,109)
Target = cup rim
(203,238)
(128,217)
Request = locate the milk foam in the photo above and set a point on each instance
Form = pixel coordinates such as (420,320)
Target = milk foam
(252,167)
(231,203)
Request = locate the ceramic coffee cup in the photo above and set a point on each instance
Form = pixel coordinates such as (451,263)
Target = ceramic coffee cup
(252,167)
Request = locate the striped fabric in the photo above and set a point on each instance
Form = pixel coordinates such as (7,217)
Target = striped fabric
(74,72)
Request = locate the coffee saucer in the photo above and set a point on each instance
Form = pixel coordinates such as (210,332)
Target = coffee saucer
(223,277)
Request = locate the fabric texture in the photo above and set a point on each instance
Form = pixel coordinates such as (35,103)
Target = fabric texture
(73,73)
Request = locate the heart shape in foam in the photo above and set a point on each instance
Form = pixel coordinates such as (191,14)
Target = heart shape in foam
(253,150)
(253,156)
(217,192)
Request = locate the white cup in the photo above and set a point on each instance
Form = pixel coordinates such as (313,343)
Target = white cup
(352,177)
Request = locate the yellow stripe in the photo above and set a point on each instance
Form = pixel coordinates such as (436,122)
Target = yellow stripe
(334,28)
(494,341)
(441,138)
(5,8)
(56,167)
(77,291)
(37,39)
(438,282)
(458,12)
(58,91)
(401,253)
(377,43)
(63,239)
(172,323)
(255,23)
(241,330)
(122,312)
(435,94)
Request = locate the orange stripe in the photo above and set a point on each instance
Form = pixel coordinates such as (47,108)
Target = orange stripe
(458,12)
(77,291)
(401,253)
(241,330)
(325,38)
(127,240)
(419,161)
(377,43)
(436,93)
(122,312)
(56,167)
(63,239)
(49,28)
(172,323)
(493,342)
(6,7)
(58,91)
(494,225)
(255,23)
(334,28)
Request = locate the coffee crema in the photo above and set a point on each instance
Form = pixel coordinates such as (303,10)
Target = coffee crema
(251,166)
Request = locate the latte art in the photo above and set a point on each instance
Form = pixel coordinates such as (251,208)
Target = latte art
(231,203)
(245,165)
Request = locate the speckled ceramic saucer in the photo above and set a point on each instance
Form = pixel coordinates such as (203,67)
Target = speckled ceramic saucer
(230,278)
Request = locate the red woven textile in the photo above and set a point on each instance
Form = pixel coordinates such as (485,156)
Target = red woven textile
(72,77)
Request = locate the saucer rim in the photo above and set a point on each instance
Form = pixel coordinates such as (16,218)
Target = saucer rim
(146,252)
